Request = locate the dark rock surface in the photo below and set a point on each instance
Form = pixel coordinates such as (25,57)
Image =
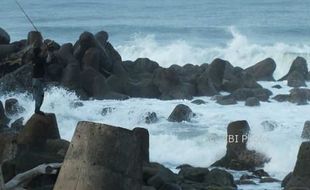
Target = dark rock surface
(306,131)
(253,101)
(263,70)
(181,113)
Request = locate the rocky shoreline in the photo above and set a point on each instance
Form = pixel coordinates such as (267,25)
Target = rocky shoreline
(115,158)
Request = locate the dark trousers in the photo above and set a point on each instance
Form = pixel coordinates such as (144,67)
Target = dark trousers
(38,92)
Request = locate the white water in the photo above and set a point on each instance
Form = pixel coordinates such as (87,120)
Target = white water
(240,51)
(200,142)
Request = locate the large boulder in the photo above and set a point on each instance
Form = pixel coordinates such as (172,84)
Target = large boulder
(243,94)
(4,120)
(143,136)
(107,157)
(38,129)
(300,179)
(306,131)
(181,113)
(34,39)
(296,79)
(220,178)
(263,70)
(252,101)
(196,174)
(300,66)
(4,37)
(6,51)
(238,157)
(13,107)
(171,86)
(8,146)
(86,40)
(299,96)
(19,80)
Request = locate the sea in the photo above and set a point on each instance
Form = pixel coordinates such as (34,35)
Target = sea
(180,32)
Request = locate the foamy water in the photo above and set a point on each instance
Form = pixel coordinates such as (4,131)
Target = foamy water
(199,142)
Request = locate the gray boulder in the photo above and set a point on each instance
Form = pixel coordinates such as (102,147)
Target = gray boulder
(181,113)
(4,37)
(263,70)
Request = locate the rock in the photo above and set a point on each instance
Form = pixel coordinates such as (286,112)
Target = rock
(77,104)
(170,186)
(5,52)
(198,102)
(300,66)
(8,146)
(226,100)
(261,173)
(18,81)
(57,146)
(205,87)
(263,70)
(253,101)
(107,157)
(151,117)
(306,131)
(106,111)
(269,180)
(13,107)
(4,37)
(296,79)
(238,157)
(34,39)
(171,86)
(91,58)
(300,178)
(286,179)
(299,96)
(4,120)
(17,125)
(148,188)
(164,176)
(142,65)
(86,41)
(277,86)
(143,136)
(244,93)
(181,113)
(151,169)
(194,174)
(38,130)
(281,97)
(220,178)
(245,182)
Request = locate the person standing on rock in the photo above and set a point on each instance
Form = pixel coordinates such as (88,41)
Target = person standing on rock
(37,78)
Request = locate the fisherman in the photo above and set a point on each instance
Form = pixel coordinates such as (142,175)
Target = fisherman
(39,63)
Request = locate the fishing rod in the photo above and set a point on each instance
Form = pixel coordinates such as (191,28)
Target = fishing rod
(29,19)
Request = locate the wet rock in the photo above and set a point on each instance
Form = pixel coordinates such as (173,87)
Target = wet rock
(8,145)
(220,178)
(281,97)
(4,120)
(286,179)
(77,104)
(86,41)
(277,86)
(260,173)
(196,174)
(306,131)
(17,125)
(238,157)
(164,176)
(296,79)
(300,178)
(198,102)
(13,107)
(263,70)
(253,101)
(19,80)
(4,37)
(300,66)
(226,100)
(106,111)
(245,182)
(299,96)
(269,180)
(143,137)
(38,129)
(142,65)
(148,188)
(181,113)
(35,39)
(151,117)
(170,186)
(244,93)
(108,158)
(57,146)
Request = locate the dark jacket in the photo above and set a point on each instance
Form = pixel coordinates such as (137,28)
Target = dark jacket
(38,67)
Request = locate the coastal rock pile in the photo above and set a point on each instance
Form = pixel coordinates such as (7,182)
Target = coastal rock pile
(94,69)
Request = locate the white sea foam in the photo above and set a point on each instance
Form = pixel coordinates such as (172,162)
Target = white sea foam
(200,142)
(240,51)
